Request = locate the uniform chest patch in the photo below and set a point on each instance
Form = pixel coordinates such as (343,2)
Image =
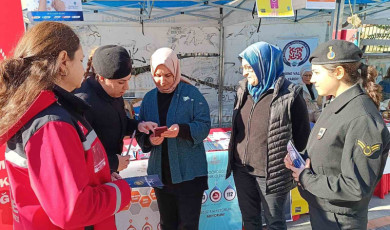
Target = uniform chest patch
(367,149)
(321,133)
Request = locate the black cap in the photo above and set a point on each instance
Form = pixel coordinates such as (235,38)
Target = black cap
(112,62)
(335,51)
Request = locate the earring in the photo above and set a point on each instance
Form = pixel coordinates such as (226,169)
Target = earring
(64,74)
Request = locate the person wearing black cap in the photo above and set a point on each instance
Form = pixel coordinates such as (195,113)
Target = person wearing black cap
(349,144)
(109,72)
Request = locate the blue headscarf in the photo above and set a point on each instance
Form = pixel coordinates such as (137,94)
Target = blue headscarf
(267,62)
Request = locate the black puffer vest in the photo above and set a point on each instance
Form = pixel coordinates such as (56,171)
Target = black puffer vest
(278,178)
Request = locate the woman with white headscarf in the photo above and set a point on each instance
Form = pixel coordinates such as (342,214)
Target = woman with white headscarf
(178,157)
(313,102)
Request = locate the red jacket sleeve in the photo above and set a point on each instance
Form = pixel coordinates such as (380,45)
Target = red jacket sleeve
(59,177)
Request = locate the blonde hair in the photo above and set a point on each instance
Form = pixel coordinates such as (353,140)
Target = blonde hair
(90,71)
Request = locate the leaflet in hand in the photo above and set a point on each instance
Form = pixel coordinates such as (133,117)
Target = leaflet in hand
(295,156)
(144,181)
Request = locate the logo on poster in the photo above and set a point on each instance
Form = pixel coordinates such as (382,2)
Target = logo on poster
(215,196)
(229,193)
(204,197)
(147,226)
(296,53)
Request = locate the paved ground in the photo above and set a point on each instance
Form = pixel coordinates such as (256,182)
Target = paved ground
(378,215)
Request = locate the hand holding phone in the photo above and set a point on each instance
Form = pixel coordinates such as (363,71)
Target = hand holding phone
(172,132)
(158,131)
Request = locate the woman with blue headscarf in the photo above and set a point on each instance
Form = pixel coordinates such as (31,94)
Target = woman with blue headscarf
(269,111)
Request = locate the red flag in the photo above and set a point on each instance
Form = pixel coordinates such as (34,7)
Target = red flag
(11,27)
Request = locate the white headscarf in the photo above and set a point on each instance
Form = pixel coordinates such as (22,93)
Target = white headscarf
(167,57)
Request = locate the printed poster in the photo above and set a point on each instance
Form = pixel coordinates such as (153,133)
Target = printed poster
(220,204)
(6,218)
(274,8)
(11,29)
(321,4)
(55,10)
(220,208)
(296,53)
(350,35)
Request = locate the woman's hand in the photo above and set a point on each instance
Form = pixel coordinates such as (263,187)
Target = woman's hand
(124,161)
(145,127)
(172,132)
(115,176)
(296,172)
(156,140)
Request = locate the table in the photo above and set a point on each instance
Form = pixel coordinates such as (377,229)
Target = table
(220,208)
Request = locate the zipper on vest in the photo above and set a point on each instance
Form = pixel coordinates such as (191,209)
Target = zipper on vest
(249,127)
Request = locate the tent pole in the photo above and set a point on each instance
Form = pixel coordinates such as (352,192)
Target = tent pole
(337,17)
(221,66)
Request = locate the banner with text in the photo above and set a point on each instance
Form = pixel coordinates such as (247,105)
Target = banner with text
(219,205)
(11,28)
(296,53)
(274,8)
(5,204)
(55,10)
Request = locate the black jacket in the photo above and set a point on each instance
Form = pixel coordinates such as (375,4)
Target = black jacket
(348,148)
(279,131)
(107,117)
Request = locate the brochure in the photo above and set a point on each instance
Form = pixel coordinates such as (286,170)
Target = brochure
(144,181)
(295,155)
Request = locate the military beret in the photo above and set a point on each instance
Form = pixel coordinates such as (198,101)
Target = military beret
(335,51)
(112,62)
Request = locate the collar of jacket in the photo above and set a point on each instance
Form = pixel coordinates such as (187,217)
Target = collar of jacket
(43,100)
(70,101)
(171,115)
(99,89)
(343,99)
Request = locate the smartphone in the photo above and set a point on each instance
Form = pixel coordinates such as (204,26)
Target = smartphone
(159,130)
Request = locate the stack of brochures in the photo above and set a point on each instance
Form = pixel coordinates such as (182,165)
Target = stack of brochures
(212,146)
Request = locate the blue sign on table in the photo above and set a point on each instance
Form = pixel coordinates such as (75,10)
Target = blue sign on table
(220,205)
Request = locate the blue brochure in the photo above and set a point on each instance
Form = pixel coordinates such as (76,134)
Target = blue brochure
(295,156)
(144,181)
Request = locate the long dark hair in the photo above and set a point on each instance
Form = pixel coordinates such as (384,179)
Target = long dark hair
(367,75)
(33,68)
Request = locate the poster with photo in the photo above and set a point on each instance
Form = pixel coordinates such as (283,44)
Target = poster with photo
(55,10)
(274,8)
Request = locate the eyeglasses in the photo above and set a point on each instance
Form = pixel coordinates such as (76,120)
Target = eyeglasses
(247,69)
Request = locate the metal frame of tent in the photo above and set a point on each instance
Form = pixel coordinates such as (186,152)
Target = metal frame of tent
(195,8)
(144,11)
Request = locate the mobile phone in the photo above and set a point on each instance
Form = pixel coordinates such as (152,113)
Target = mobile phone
(159,130)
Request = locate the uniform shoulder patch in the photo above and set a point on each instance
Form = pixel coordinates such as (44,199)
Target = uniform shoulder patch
(367,149)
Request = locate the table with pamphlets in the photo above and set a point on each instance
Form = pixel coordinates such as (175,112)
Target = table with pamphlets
(220,205)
